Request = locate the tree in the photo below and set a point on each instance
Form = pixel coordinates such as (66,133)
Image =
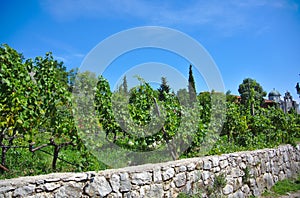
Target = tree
(236,123)
(86,101)
(298,89)
(125,86)
(17,99)
(191,86)
(163,89)
(183,97)
(251,93)
(103,102)
(55,121)
(205,102)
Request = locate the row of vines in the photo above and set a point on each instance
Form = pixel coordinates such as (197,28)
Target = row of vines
(52,119)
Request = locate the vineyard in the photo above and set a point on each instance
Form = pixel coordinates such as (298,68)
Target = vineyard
(41,130)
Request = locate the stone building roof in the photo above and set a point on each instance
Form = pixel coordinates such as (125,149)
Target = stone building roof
(274,93)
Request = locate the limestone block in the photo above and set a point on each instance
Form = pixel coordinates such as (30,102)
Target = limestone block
(223,164)
(232,162)
(281,175)
(252,182)
(125,184)
(236,172)
(207,165)
(70,189)
(180,180)
(24,191)
(285,157)
(238,182)
(242,165)
(191,166)
(193,176)
(40,181)
(154,190)
(250,159)
(157,177)
(205,175)
(215,161)
(168,174)
(238,194)
(199,165)
(188,187)
(216,169)
(115,182)
(5,189)
(268,180)
(49,187)
(40,195)
(99,186)
(272,153)
(256,192)
(260,183)
(246,189)
(183,168)
(115,195)
(141,178)
(227,189)
(78,177)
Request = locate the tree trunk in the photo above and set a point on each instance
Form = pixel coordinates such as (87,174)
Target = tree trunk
(55,156)
(3,158)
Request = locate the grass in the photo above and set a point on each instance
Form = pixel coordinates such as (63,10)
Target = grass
(283,187)
(280,188)
(21,162)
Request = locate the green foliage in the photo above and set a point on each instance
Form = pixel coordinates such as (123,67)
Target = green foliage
(212,191)
(22,162)
(18,111)
(183,97)
(236,124)
(283,187)
(231,98)
(267,128)
(192,86)
(184,195)
(55,120)
(251,90)
(163,89)
(36,107)
(205,102)
(104,107)
(219,183)
(125,86)
(55,112)
(246,177)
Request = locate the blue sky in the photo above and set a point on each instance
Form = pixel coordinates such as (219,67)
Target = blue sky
(259,39)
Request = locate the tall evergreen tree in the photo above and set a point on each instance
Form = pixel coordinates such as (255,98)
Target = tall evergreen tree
(191,86)
(164,87)
(125,86)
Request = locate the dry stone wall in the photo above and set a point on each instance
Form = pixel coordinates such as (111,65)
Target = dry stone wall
(245,173)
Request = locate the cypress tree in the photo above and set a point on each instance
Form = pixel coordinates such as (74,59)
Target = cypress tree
(125,87)
(191,86)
